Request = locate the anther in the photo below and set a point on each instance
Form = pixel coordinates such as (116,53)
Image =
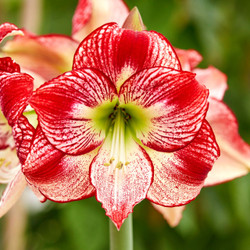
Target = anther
(127,117)
(119,165)
(111,160)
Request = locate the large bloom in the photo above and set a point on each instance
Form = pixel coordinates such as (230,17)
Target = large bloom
(234,160)
(125,124)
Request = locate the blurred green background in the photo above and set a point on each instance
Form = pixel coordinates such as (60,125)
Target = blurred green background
(219,218)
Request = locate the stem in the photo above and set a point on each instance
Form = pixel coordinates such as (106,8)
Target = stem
(31,15)
(123,239)
(14,231)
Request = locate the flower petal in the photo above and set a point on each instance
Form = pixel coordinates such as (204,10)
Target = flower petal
(9,29)
(119,53)
(37,193)
(225,169)
(172,215)
(179,176)
(8,65)
(235,153)
(58,177)
(119,190)
(12,193)
(68,126)
(11,104)
(214,80)
(176,102)
(81,16)
(6,139)
(23,134)
(189,59)
(90,14)
(47,55)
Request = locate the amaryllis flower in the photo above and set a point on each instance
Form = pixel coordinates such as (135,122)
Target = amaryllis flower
(234,160)
(124,125)
(13,148)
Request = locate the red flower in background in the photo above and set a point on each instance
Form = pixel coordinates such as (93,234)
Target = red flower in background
(91,14)
(125,124)
(13,147)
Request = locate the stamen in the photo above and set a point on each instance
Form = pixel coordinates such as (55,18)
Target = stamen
(119,165)
(117,129)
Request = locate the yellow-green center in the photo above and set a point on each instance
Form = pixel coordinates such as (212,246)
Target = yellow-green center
(120,122)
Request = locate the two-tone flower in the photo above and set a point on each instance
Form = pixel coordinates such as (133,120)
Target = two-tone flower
(125,124)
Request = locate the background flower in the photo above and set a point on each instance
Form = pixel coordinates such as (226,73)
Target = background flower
(13,150)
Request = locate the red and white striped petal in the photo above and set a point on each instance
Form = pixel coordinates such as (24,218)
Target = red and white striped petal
(90,14)
(47,55)
(15,91)
(8,65)
(81,17)
(12,193)
(119,53)
(63,105)
(235,153)
(172,215)
(9,29)
(6,139)
(5,135)
(214,80)
(57,176)
(175,102)
(179,176)
(119,190)
(189,59)
(23,134)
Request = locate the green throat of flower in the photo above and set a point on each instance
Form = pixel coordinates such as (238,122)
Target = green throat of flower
(122,123)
